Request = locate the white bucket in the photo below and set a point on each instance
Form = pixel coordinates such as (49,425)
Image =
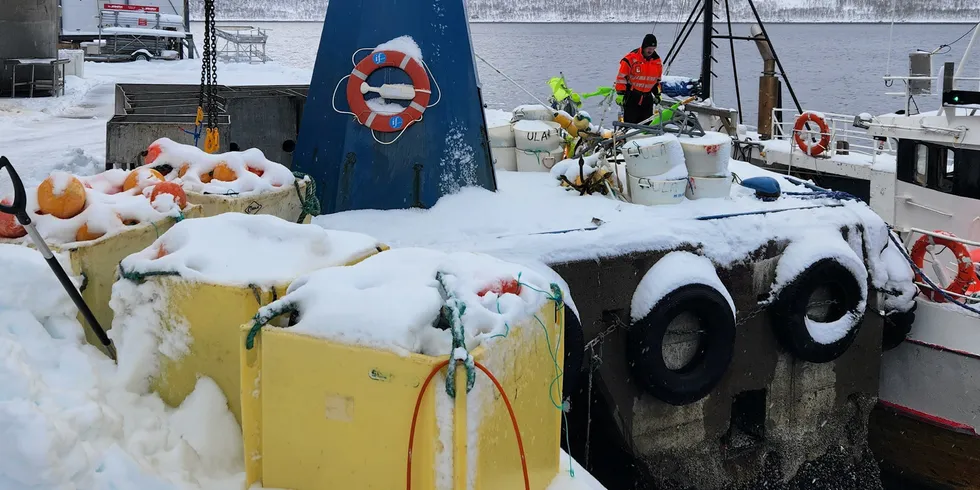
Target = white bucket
(501,135)
(647,157)
(538,160)
(537,135)
(534,113)
(709,187)
(708,155)
(649,192)
(504,158)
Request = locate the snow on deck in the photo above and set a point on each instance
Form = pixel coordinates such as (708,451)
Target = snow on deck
(855,165)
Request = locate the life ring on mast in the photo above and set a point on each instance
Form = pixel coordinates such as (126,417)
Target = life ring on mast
(966,275)
(824,142)
(388,123)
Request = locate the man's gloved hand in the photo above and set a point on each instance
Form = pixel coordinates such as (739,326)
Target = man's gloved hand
(619,99)
(657,93)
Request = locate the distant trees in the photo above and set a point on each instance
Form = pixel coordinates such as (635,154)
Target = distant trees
(634,10)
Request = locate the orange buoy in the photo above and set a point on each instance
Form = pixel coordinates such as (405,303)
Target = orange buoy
(256,171)
(183,169)
(65,202)
(141,177)
(84,235)
(224,173)
(502,287)
(966,275)
(822,145)
(171,188)
(152,153)
(161,252)
(9,227)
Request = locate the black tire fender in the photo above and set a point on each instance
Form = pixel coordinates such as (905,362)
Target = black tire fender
(897,328)
(789,310)
(710,363)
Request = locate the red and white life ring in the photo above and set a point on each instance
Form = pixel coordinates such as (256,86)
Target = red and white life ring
(804,145)
(388,123)
(966,275)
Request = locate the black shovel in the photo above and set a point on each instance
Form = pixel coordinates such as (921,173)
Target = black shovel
(19,210)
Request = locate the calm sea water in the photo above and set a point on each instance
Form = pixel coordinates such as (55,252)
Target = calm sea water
(832,67)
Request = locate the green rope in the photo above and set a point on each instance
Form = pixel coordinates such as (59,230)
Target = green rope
(260,320)
(453,312)
(309,203)
(140,277)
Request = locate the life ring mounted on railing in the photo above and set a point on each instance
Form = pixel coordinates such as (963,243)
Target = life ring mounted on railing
(966,275)
(812,149)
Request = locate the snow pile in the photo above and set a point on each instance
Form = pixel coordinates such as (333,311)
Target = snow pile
(675,270)
(392,300)
(896,279)
(66,421)
(575,169)
(496,118)
(234,173)
(384,108)
(240,249)
(108,209)
(802,254)
(403,44)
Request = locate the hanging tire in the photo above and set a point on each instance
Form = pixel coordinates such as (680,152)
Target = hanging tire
(696,378)
(790,309)
(574,353)
(896,328)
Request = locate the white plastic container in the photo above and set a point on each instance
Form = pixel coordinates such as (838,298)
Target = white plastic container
(717,187)
(649,192)
(537,135)
(538,160)
(501,136)
(504,158)
(651,156)
(708,155)
(536,112)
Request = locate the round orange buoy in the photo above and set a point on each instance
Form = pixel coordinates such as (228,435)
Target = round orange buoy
(139,178)
(388,123)
(224,173)
(183,169)
(975,287)
(171,188)
(161,252)
(84,235)
(966,275)
(152,153)
(256,171)
(9,227)
(804,145)
(67,203)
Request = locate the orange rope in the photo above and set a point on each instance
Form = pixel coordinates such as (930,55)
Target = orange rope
(510,410)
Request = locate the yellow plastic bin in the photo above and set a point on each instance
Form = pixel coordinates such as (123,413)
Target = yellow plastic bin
(97,262)
(326,415)
(204,312)
(287,202)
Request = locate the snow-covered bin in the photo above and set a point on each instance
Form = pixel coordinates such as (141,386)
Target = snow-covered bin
(106,225)
(538,160)
(76,61)
(649,157)
(504,158)
(707,156)
(181,300)
(330,397)
(234,182)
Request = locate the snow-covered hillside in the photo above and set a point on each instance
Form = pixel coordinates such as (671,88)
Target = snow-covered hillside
(635,11)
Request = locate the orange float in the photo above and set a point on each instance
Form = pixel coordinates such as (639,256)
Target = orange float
(224,173)
(138,178)
(152,153)
(171,188)
(966,275)
(66,204)
(84,235)
(9,227)
(388,123)
(256,171)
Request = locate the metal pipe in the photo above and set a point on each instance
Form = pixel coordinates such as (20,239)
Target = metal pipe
(708,26)
(782,71)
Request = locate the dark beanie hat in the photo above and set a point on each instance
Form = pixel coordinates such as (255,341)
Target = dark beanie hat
(649,40)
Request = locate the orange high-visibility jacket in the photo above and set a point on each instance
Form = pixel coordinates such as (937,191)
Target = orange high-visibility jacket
(639,73)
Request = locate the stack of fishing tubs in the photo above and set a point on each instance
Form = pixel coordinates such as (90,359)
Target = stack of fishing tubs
(265,117)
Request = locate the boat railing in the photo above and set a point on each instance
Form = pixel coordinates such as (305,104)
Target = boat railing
(845,137)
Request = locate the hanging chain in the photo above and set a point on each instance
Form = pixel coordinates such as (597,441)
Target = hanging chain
(209,81)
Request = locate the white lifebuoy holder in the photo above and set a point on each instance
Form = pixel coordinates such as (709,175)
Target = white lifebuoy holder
(388,123)
(822,145)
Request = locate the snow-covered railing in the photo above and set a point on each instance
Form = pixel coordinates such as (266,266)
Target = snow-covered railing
(840,128)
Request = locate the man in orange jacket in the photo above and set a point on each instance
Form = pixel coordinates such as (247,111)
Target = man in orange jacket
(638,82)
